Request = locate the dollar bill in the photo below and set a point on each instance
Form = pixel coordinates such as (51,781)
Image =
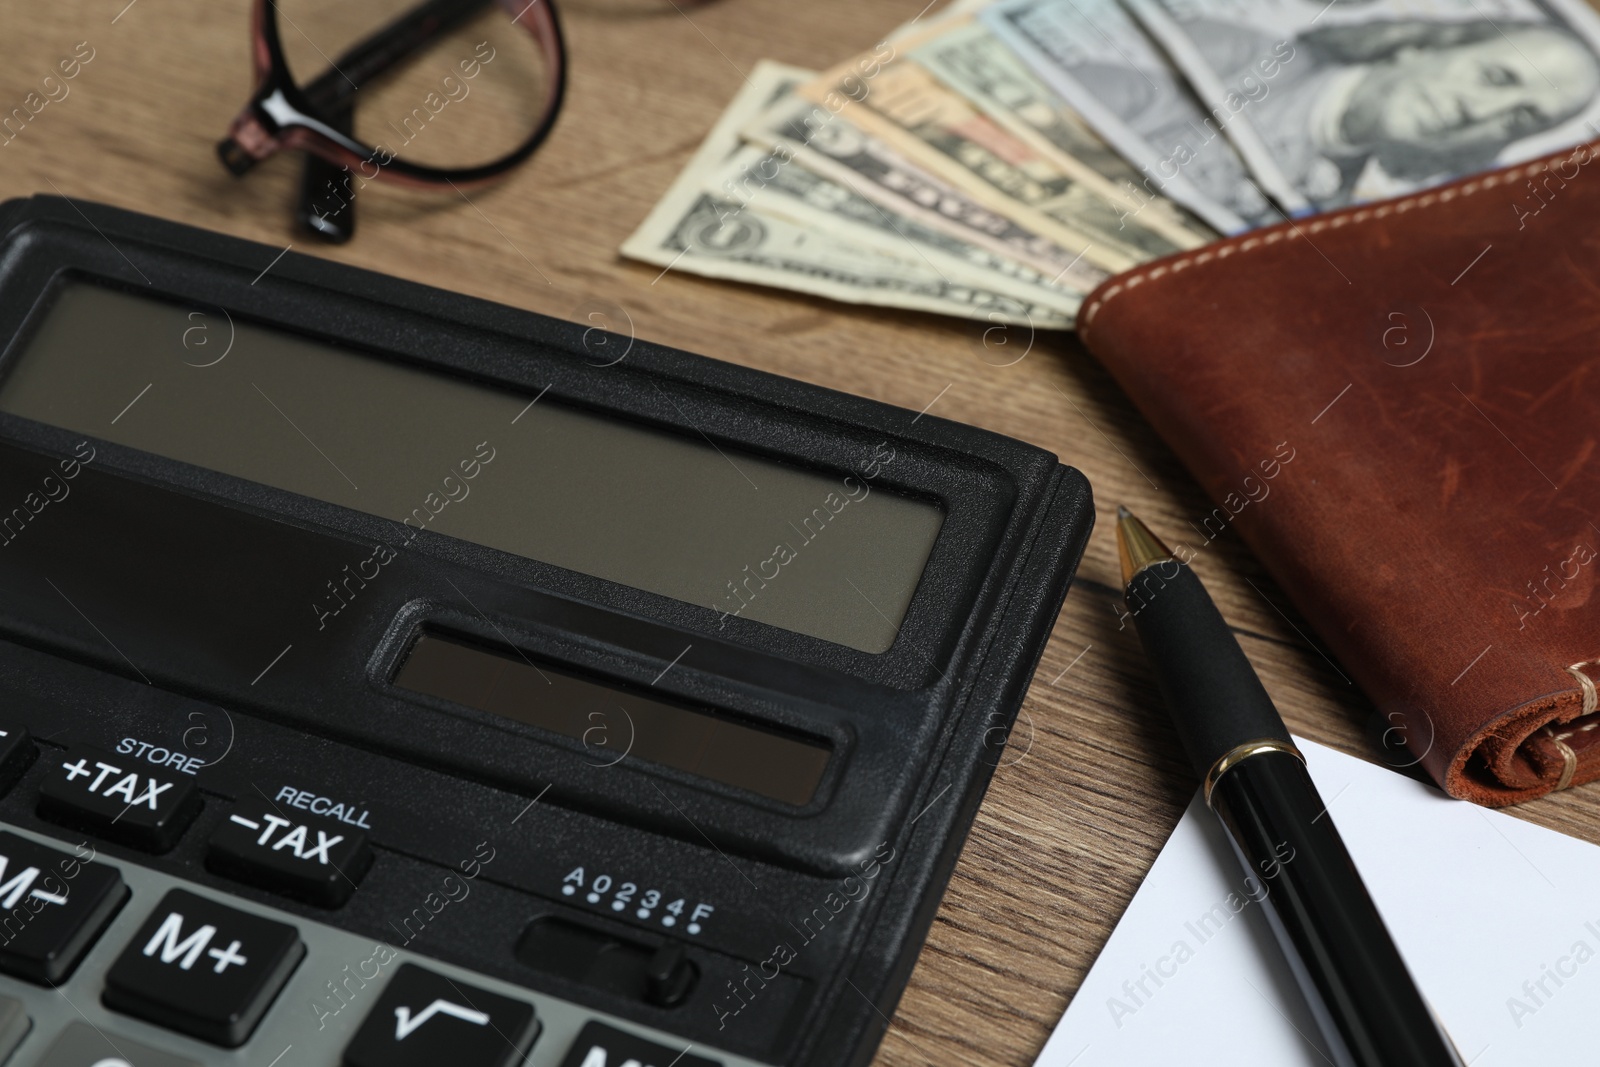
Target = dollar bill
(754,177)
(969,59)
(694,231)
(830,145)
(1102,62)
(936,129)
(1337,103)
(719,240)
(956,9)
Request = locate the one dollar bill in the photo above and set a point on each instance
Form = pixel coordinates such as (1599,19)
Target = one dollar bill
(758,179)
(720,237)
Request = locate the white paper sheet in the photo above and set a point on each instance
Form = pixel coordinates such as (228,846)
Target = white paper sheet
(1499,921)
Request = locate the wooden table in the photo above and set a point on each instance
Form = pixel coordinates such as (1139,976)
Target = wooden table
(1094,781)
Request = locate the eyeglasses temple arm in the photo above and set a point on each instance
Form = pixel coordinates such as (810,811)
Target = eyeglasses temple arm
(378,53)
(327,204)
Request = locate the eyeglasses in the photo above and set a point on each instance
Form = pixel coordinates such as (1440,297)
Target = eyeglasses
(505,104)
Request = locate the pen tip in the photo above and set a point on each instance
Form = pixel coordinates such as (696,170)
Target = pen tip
(1137,547)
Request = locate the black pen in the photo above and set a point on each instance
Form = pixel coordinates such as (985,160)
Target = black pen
(1368,1008)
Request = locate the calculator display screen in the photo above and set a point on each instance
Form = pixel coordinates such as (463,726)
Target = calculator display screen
(830,556)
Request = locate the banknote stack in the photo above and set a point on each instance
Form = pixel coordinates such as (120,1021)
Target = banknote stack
(999,159)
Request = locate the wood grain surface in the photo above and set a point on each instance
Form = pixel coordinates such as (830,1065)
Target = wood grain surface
(1093,780)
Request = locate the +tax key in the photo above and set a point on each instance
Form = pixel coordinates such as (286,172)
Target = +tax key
(105,795)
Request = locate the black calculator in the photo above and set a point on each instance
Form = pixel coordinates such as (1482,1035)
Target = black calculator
(390,678)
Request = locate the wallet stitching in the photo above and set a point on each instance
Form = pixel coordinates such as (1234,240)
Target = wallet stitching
(1250,242)
(1585,728)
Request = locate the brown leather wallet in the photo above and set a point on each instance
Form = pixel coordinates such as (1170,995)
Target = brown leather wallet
(1431,366)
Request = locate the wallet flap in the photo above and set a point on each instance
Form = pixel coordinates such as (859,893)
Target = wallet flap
(1431,368)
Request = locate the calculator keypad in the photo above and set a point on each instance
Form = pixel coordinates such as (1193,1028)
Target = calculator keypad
(14,1025)
(112,983)
(602,1044)
(82,1045)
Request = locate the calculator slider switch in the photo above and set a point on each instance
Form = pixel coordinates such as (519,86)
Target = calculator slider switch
(652,972)
(669,976)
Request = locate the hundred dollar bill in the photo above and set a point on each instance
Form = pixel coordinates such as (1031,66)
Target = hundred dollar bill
(722,238)
(755,178)
(936,129)
(828,144)
(969,59)
(1332,104)
(1096,55)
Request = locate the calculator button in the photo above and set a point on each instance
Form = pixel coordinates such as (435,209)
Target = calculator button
(203,968)
(14,1025)
(81,1045)
(601,1044)
(424,1019)
(16,754)
(118,798)
(53,905)
(305,857)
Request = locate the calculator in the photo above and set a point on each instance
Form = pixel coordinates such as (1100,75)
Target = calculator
(389,678)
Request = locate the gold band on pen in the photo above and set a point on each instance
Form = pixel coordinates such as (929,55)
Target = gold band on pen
(1239,753)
